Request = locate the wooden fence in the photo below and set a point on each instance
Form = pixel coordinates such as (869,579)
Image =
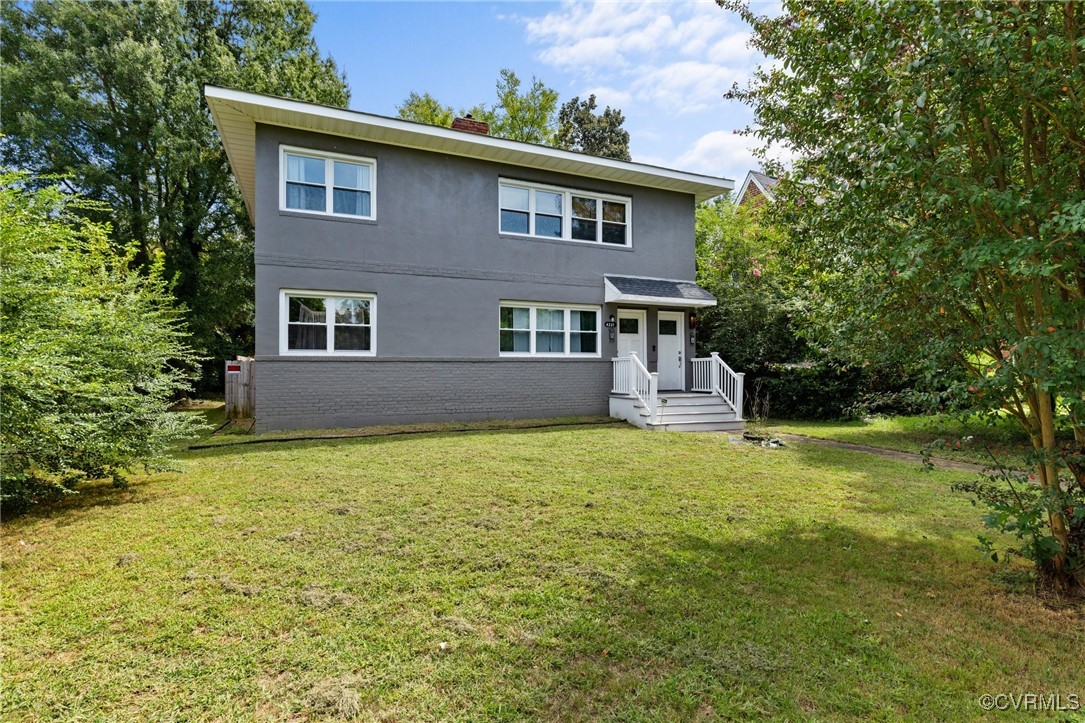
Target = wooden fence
(240,388)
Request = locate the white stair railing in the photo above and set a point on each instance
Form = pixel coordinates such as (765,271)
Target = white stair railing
(633,378)
(702,375)
(711,374)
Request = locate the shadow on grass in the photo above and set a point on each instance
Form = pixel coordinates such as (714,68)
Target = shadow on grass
(91,495)
(812,620)
(269,444)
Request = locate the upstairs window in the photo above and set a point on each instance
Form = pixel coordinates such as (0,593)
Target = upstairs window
(327,183)
(549,212)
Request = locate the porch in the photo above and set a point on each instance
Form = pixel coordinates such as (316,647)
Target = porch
(655,323)
(712,404)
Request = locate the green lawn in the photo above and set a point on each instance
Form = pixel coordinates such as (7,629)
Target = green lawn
(570,573)
(949,438)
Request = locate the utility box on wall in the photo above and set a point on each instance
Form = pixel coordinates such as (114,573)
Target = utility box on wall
(240,388)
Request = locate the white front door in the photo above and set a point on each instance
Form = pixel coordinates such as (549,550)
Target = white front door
(672,371)
(632,336)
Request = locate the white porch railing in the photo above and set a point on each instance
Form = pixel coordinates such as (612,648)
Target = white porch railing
(711,374)
(633,378)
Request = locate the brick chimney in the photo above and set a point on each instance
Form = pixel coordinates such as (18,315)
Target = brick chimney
(470,125)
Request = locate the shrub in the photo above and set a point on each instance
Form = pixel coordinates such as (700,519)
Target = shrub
(92,352)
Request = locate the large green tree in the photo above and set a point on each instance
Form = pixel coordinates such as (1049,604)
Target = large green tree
(580,128)
(92,350)
(937,203)
(108,94)
(425,108)
(520,114)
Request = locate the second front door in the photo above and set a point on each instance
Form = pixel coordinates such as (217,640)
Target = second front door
(671,367)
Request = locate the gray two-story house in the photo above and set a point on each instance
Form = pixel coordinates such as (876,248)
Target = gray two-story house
(407,272)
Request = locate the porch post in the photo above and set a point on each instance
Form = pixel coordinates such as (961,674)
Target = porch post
(714,381)
(739,384)
(653,394)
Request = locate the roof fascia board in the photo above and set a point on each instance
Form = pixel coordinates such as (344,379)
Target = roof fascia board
(237,100)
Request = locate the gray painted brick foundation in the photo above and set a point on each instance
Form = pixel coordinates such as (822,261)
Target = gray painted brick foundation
(330,393)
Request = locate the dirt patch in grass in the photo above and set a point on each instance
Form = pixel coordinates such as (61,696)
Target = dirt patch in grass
(228,584)
(340,697)
(320,598)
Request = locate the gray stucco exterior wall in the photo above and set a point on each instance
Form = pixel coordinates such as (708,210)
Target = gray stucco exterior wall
(439,268)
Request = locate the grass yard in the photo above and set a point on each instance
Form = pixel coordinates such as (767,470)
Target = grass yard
(950,438)
(572,573)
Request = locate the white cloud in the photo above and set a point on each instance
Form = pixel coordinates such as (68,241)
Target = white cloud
(681,56)
(605,96)
(721,153)
(728,154)
(687,86)
(667,65)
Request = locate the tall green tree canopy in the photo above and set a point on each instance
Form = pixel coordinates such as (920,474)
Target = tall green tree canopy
(109,95)
(426,109)
(92,350)
(580,128)
(519,115)
(937,204)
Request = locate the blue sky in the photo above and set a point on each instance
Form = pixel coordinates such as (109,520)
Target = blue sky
(665,64)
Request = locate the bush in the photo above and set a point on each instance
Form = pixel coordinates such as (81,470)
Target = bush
(92,352)
(815,390)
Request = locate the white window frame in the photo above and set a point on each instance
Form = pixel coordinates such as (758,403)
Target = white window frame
(567,212)
(284,323)
(532,307)
(329,181)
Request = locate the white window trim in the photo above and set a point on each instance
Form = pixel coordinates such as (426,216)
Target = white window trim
(284,321)
(567,213)
(532,306)
(329,181)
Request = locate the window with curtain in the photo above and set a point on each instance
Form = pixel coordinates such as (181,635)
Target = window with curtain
(548,330)
(323,323)
(550,212)
(327,183)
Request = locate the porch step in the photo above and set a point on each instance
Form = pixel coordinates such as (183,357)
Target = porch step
(686,402)
(688,412)
(714,414)
(736,425)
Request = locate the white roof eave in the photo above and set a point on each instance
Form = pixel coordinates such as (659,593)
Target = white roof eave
(236,114)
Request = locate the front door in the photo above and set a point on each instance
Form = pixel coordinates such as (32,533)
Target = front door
(632,336)
(672,372)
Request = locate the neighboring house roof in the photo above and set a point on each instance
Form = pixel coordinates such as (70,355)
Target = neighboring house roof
(236,114)
(756,186)
(662,292)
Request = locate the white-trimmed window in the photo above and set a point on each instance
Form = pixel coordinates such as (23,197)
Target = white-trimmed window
(327,183)
(531,209)
(548,330)
(322,322)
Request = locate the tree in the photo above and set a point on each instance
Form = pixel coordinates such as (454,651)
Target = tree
(92,352)
(581,129)
(520,116)
(109,95)
(737,261)
(425,109)
(938,205)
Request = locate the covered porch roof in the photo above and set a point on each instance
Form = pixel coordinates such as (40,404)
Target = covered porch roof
(657,292)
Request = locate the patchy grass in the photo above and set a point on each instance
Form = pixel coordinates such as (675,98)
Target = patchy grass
(562,574)
(950,438)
